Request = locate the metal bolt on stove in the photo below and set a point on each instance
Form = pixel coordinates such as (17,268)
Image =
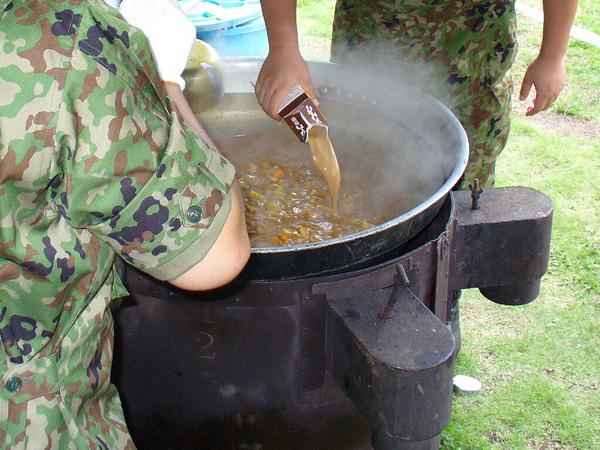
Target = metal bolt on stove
(402,281)
(475,194)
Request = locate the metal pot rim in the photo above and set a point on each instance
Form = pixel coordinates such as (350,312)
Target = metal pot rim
(436,198)
(439,195)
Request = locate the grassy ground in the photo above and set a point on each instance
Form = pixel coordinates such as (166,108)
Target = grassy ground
(588,13)
(539,364)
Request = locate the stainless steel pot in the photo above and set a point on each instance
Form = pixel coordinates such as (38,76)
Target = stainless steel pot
(405,150)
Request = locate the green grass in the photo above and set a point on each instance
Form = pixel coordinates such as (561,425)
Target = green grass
(588,13)
(568,170)
(314,27)
(540,363)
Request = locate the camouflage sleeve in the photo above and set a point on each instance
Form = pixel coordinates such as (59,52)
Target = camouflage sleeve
(134,175)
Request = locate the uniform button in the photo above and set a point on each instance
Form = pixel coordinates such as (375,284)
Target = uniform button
(14,384)
(194,214)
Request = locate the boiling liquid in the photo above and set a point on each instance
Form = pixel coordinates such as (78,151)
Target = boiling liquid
(288,204)
(384,174)
(326,161)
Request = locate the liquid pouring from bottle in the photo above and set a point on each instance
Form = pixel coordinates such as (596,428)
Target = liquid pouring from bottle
(309,125)
(326,161)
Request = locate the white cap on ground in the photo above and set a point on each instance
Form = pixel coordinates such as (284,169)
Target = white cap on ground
(169,31)
(466,384)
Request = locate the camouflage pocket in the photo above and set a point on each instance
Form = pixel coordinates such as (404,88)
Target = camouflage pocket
(206,193)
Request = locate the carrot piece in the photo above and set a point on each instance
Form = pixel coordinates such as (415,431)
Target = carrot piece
(278,173)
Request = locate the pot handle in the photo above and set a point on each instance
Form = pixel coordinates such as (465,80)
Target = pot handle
(203,77)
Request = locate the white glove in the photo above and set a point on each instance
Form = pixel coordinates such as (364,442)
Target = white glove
(169,31)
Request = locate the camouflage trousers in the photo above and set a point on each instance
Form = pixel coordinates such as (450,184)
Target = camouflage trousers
(65,400)
(469,46)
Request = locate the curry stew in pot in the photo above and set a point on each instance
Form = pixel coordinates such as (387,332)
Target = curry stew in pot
(287,199)
(290,204)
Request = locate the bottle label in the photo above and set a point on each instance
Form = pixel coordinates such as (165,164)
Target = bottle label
(300,113)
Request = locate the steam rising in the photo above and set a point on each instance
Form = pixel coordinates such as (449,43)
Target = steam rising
(418,143)
(378,62)
(393,142)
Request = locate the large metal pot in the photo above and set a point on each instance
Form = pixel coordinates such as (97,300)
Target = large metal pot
(417,151)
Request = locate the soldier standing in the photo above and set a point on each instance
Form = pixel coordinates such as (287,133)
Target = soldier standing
(472,45)
(96,161)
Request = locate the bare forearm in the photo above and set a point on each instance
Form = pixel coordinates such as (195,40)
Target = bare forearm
(558,19)
(231,250)
(547,71)
(284,68)
(280,20)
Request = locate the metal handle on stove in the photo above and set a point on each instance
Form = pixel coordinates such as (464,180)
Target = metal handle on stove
(380,343)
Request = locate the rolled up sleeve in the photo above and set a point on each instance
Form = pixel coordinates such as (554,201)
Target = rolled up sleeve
(167,224)
(132,173)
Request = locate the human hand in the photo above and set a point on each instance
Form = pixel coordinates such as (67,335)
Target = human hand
(281,72)
(548,76)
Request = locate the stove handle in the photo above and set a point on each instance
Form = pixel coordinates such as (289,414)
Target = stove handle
(503,247)
(396,369)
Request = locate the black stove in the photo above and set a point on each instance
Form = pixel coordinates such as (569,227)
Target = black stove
(356,359)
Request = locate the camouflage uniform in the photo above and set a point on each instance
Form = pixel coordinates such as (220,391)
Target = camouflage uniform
(94,162)
(472,43)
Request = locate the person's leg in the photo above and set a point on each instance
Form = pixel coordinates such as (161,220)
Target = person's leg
(486,120)
(483,102)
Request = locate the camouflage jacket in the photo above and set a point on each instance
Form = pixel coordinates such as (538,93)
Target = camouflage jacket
(94,161)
